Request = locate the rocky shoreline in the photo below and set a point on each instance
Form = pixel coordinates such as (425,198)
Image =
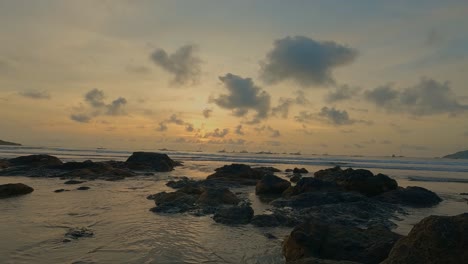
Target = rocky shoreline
(337,215)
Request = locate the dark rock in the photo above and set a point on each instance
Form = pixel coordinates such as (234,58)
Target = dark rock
(73,182)
(99,170)
(75,233)
(87,164)
(295,177)
(270,236)
(410,196)
(337,242)
(238,173)
(36,161)
(271,184)
(83,188)
(321,261)
(309,184)
(214,197)
(60,190)
(14,189)
(4,164)
(181,183)
(288,170)
(301,170)
(273,220)
(173,202)
(359,180)
(309,199)
(151,161)
(267,169)
(463,193)
(436,239)
(235,215)
(6,143)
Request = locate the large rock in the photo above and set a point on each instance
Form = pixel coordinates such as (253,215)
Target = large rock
(234,215)
(337,242)
(238,173)
(359,180)
(321,261)
(309,184)
(14,189)
(271,184)
(436,239)
(273,220)
(150,161)
(410,196)
(4,164)
(215,197)
(309,199)
(36,161)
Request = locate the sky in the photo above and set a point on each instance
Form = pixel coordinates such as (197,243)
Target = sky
(337,77)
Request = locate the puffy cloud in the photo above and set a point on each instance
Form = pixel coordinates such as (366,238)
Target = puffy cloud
(341,93)
(97,106)
(35,94)
(243,96)
(305,61)
(284,104)
(183,64)
(174,119)
(217,133)
(273,132)
(336,117)
(207,112)
(239,130)
(82,118)
(428,97)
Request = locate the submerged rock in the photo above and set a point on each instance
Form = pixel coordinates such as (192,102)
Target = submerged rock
(83,188)
(337,242)
(273,220)
(61,190)
(14,189)
(80,232)
(271,184)
(151,161)
(410,196)
(436,239)
(358,180)
(235,215)
(73,182)
(214,197)
(309,184)
(310,199)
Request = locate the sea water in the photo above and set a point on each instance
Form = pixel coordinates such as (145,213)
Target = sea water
(32,227)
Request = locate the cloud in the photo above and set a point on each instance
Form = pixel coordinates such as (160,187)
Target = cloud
(433,37)
(183,64)
(273,132)
(227,141)
(174,119)
(284,104)
(305,117)
(238,130)
(207,112)
(82,118)
(428,97)
(137,69)
(306,61)
(341,93)
(97,107)
(117,107)
(336,117)
(35,94)
(243,96)
(217,133)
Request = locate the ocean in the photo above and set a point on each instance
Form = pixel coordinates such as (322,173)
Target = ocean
(32,226)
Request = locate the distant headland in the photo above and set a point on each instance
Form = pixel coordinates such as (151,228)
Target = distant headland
(6,143)
(458,155)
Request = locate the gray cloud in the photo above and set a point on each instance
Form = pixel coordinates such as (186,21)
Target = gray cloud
(304,117)
(183,64)
(97,106)
(174,119)
(137,69)
(428,97)
(341,93)
(35,94)
(284,104)
(207,112)
(243,96)
(336,117)
(305,61)
(238,130)
(273,132)
(217,133)
(82,118)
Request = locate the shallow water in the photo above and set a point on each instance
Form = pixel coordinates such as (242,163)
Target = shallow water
(32,227)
